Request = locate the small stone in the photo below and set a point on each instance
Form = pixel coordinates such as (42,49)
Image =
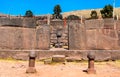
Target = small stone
(73,59)
(58,58)
(47,61)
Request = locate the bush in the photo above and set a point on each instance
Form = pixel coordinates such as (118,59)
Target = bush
(93,14)
(107,11)
(29,13)
(72,17)
(57,10)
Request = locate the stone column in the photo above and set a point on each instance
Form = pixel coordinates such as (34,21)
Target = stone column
(91,58)
(31,68)
(48,19)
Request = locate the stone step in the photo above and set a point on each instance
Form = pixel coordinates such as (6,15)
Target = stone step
(58,58)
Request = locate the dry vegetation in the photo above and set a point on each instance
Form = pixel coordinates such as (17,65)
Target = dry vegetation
(86,13)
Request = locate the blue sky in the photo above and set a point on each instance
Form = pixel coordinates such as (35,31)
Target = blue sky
(38,7)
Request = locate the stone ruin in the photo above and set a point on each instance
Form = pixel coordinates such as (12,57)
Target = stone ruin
(31,33)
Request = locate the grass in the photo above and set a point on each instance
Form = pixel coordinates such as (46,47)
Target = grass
(117,62)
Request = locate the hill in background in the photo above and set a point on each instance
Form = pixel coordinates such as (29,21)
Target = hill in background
(83,13)
(86,13)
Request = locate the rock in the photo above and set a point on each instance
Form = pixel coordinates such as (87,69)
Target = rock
(47,61)
(58,58)
(73,59)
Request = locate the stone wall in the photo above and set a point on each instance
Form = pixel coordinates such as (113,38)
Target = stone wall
(24,38)
(100,55)
(77,36)
(54,27)
(16,38)
(17,22)
(43,37)
(95,34)
(92,34)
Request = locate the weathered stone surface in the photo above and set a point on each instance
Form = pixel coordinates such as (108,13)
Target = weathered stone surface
(93,34)
(43,37)
(58,58)
(77,36)
(18,22)
(91,56)
(47,61)
(29,22)
(17,38)
(115,55)
(73,59)
(54,27)
(101,55)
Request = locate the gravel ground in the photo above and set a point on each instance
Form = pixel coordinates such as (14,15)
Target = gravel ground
(11,68)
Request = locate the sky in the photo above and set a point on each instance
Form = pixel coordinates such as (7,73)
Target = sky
(41,7)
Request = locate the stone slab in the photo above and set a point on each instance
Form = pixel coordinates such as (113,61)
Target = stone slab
(58,58)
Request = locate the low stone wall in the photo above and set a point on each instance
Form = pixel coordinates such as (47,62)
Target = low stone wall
(101,55)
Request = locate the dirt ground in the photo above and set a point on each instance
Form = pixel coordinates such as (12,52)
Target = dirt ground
(11,68)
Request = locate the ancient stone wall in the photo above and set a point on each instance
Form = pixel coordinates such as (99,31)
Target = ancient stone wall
(43,37)
(97,34)
(54,27)
(29,22)
(17,22)
(24,38)
(100,55)
(16,38)
(92,34)
(6,21)
(77,36)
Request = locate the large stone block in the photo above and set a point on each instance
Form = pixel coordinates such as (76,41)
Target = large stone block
(115,55)
(77,36)
(17,38)
(58,58)
(43,37)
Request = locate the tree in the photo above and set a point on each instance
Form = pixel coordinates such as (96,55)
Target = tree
(107,11)
(29,13)
(57,10)
(73,17)
(93,14)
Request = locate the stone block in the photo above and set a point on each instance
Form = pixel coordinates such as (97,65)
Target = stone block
(58,58)
(115,55)
(102,55)
(73,59)
(43,37)
(47,61)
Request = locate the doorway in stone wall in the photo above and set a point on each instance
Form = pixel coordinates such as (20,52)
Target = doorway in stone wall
(58,36)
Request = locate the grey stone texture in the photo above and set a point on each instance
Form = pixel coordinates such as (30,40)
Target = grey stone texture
(77,55)
(58,58)
(94,34)
(77,36)
(27,33)
(43,37)
(54,27)
(18,22)
(24,38)
(17,38)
